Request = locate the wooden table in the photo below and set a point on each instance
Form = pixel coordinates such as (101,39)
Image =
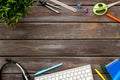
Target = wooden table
(44,38)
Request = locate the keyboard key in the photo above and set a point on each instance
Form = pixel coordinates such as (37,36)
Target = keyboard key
(89,78)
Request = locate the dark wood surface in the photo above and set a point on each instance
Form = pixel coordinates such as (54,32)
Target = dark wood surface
(44,38)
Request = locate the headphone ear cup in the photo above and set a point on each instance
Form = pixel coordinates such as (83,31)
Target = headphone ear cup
(9,61)
(1,69)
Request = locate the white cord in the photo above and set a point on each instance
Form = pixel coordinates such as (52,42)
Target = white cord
(22,71)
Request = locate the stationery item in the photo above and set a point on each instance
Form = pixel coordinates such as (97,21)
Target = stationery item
(86,10)
(79,6)
(105,72)
(101,76)
(117,77)
(49,6)
(25,74)
(48,69)
(114,69)
(112,17)
(64,5)
(102,8)
(79,73)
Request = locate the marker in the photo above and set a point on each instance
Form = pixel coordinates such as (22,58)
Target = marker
(105,71)
(99,74)
(48,69)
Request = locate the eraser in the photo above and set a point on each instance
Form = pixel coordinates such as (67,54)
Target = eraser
(86,10)
(79,6)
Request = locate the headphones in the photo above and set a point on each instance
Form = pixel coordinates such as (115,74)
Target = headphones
(25,74)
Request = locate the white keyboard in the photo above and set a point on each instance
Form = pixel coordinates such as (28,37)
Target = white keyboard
(79,73)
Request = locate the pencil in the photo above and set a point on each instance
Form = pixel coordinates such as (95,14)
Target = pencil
(100,75)
(112,17)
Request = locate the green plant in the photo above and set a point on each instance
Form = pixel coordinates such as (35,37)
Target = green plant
(11,11)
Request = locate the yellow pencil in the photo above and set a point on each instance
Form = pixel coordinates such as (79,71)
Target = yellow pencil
(101,76)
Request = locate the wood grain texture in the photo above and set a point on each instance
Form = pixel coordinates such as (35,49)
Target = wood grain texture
(58,48)
(44,38)
(43,15)
(62,31)
(34,64)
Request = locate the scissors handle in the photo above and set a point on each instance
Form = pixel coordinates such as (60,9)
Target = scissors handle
(100,9)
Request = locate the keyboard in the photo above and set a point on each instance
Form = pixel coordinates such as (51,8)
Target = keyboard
(78,73)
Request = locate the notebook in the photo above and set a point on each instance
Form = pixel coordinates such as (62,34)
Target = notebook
(114,69)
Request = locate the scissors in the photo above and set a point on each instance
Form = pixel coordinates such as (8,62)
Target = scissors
(50,6)
(102,8)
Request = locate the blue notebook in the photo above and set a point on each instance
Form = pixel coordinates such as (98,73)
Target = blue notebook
(114,69)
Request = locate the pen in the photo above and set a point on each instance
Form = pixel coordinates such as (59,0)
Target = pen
(47,69)
(101,76)
(105,72)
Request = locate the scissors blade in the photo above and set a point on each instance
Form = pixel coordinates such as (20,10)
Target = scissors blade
(53,5)
(64,5)
(113,4)
(52,9)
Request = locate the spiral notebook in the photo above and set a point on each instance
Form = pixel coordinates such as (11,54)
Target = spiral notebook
(114,69)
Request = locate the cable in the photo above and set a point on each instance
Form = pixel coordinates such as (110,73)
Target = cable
(26,75)
(22,71)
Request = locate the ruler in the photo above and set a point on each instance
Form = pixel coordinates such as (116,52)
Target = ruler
(64,5)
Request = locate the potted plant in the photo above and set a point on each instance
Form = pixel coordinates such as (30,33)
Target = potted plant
(11,11)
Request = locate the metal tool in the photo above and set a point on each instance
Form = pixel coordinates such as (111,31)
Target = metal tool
(49,6)
(64,5)
(102,8)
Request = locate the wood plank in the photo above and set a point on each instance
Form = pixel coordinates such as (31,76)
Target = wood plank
(44,15)
(54,48)
(34,64)
(86,2)
(62,31)
(19,77)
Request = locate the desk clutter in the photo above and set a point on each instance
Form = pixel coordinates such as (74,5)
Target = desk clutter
(78,73)
(49,5)
(111,71)
(102,9)
(99,9)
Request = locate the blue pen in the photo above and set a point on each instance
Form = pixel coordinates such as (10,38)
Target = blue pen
(48,69)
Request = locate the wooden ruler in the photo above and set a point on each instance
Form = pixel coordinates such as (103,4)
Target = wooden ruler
(64,5)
